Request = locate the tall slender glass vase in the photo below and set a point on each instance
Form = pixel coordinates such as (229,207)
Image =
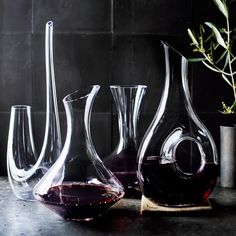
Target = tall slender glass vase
(25,167)
(177,156)
(123,160)
(78,186)
(52,144)
(21,154)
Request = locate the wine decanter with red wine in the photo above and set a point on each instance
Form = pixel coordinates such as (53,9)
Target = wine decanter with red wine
(177,156)
(123,160)
(78,186)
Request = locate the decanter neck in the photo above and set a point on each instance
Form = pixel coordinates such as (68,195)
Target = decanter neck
(127,124)
(127,100)
(52,144)
(78,106)
(176,96)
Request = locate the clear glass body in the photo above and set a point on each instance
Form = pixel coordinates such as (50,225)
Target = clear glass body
(78,186)
(123,160)
(23,172)
(177,156)
(21,154)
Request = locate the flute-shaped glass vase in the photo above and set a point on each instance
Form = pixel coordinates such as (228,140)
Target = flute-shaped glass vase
(177,156)
(123,160)
(21,154)
(22,175)
(78,186)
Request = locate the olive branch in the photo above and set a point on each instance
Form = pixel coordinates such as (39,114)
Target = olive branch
(216,51)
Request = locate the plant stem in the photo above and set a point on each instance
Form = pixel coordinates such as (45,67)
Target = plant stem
(215,68)
(229,55)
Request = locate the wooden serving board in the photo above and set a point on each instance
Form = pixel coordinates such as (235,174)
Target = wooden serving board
(147,205)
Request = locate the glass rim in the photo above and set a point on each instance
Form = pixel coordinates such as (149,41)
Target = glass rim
(21,107)
(80,94)
(128,86)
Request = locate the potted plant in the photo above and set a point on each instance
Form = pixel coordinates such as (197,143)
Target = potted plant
(215,45)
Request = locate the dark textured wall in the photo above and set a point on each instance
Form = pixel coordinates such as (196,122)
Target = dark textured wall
(98,42)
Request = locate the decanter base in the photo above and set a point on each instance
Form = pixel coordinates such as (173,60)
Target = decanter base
(149,206)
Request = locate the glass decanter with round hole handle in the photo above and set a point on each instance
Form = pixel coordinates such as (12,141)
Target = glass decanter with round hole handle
(177,157)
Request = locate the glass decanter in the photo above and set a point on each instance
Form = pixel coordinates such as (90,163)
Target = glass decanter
(24,166)
(123,160)
(21,154)
(177,156)
(78,186)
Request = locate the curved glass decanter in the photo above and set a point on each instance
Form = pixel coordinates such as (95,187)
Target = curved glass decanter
(23,172)
(123,160)
(177,156)
(78,186)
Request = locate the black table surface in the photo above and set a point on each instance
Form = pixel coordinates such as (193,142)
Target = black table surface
(19,217)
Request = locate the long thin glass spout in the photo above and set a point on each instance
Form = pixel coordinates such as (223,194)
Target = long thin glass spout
(52,144)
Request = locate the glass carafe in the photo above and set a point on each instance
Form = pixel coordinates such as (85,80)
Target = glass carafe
(177,156)
(25,167)
(123,160)
(78,186)
(21,154)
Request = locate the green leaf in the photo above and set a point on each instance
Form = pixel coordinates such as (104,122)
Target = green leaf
(221,57)
(210,25)
(194,40)
(208,38)
(196,59)
(226,79)
(226,61)
(233,59)
(217,34)
(222,7)
(211,51)
(201,30)
(216,46)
